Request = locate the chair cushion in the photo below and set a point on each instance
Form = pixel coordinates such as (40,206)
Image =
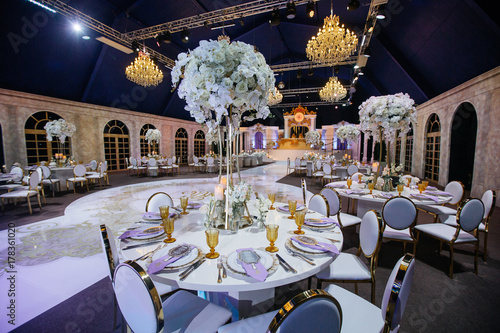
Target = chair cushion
(397,234)
(77,179)
(185,312)
(437,209)
(18,194)
(258,323)
(348,219)
(445,232)
(346,267)
(358,314)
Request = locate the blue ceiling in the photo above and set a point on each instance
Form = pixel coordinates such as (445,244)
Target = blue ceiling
(423,48)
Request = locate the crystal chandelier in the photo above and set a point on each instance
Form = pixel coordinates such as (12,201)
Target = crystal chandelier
(143,71)
(333,43)
(275,97)
(333,91)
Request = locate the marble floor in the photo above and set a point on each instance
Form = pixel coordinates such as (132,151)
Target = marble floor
(59,257)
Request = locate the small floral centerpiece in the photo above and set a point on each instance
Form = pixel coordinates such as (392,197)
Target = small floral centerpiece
(348,133)
(388,173)
(237,196)
(153,135)
(208,209)
(59,128)
(313,138)
(368,178)
(311,156)
(263,204)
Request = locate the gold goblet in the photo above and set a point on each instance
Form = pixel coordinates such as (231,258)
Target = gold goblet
(164,211)
(349,183)
(272,198)
(421,187)
(359,178)
(299,221)
(400,188)
(184,204)
(212,241)
(292,206)
(409,181)
(272,236)
(168,226)
(425,183)
(371,186)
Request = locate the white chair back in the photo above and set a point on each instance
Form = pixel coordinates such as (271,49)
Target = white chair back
(34,180)
(18,173)
(370,232)
(355,176)
(319,204)
(40,174)
(297,162)
(318,165)
(158,199)
(399,213)
(109,247)
(138,298)
(174,159)
(195,159)
(152,162)
(489,199)
(470,214)
(93,165)
(456,189)
(46,172)
(102,169)
(352,169)
(397,291)
(133,161)
(333,199)
(169,161)
(210,161)
(79,170)
(327,169)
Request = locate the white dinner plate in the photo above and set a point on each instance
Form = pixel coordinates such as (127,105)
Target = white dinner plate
(265,259)
(284,208)
(155,216)
(155,232)
(182,262)
(315,222)
(304,248)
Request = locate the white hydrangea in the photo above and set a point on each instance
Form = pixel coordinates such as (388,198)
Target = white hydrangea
(312,138)
(59,128)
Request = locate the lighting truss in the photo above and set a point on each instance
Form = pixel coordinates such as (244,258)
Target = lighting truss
(311,64)
(294,105)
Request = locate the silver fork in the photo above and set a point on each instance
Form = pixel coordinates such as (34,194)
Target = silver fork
(219,266)
(150,253)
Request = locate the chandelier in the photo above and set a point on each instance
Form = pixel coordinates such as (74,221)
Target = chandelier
(143,71)
(333,43)
(275,97)
(333,91)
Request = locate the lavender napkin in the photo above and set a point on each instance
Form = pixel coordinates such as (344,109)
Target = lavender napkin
(319,221)
(385,195)
(137,233)
(326,247)
(354,191)
(259,273)
(285,208)
(425,196)
(438,193)
(160,263)
(193,205)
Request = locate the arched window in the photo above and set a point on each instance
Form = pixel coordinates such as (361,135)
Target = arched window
(145,147)
(116,145)
(199,143)
(432,148)
(409,149)
(37,147)
(181,145)
(259,138)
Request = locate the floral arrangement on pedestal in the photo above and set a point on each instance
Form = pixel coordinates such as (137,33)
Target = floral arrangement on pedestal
(311,156)
(262,205)
(313,138)
(59,128)
(153,135)
(385,115)
(347,133)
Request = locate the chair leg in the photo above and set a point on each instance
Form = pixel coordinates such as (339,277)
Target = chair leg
(39,203)
(440,247)
(29,204)
(451,261)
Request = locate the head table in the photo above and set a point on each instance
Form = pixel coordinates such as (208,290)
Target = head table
(239,293)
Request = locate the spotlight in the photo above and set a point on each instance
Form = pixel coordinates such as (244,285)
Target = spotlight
(310,9)
(336,69)
(185,35)
(290,10)
(281,85)
(77,27)
(136,47)
(86,37)
(381,12)
(299,73)
(275,17)
(163,37)
(310,72)
(242,23)
(353,5)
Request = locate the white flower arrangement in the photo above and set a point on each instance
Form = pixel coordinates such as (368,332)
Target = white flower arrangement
(217,75)
(153,135)
(312,138)
(59,128)
(348,132)
(393,170)
(389,113)
(212,136)
(239,194)
(311,156)
(208,207)
(259,153)
(262,205)
(244,154)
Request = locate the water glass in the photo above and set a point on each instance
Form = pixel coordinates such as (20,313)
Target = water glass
(212,241)
(272,236)
(168,226)
(299,221)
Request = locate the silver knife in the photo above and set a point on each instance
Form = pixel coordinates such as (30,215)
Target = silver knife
(287,264)
(191,268)
(140,245)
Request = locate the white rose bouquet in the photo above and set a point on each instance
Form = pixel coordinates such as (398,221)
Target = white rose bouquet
(348,132)
(59,128)
(153,135)
(312,138)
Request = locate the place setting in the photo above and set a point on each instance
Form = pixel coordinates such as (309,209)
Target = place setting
(291,208)
(172,259)
(250,264)
(186,204)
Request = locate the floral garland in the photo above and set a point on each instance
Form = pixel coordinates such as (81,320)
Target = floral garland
(153,135)
(312,138)
(389,113)
(347,132)
(59,128)
(217,75)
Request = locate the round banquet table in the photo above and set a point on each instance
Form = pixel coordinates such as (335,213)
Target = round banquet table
(366,201)
(341,171)
(242,292)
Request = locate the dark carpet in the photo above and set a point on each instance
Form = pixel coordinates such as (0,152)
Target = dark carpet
(466,303)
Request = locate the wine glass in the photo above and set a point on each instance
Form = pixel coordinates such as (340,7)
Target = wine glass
(272,198)
(425,183)
(400,188)
(212,241)
(371,186)
(299,221)
(292,206)
(409,181)
(272,236)
(421,187)
(359,178)
(184,204)
(168,226)
(164,211)
(349,183)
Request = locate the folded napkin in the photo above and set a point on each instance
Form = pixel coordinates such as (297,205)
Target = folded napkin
(259,273)
(161,263)
(443,193)
(354,191)
(137,233)
(425,196)
(193,205)
(319,221)
(285,208)
(385,195)
(335,185)
(326,247)
(431,188)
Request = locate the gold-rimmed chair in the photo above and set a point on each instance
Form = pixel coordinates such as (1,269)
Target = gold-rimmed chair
(32,190)
(309,311)
(289,167)
(143,310)
(400,216)
(158,199)
(335,205)
(469,216)
(317,171)
(17,179)
(99,175)
(456,189)
(319,204)
(48,180)
(79,172)
(350,268)
(360,315)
